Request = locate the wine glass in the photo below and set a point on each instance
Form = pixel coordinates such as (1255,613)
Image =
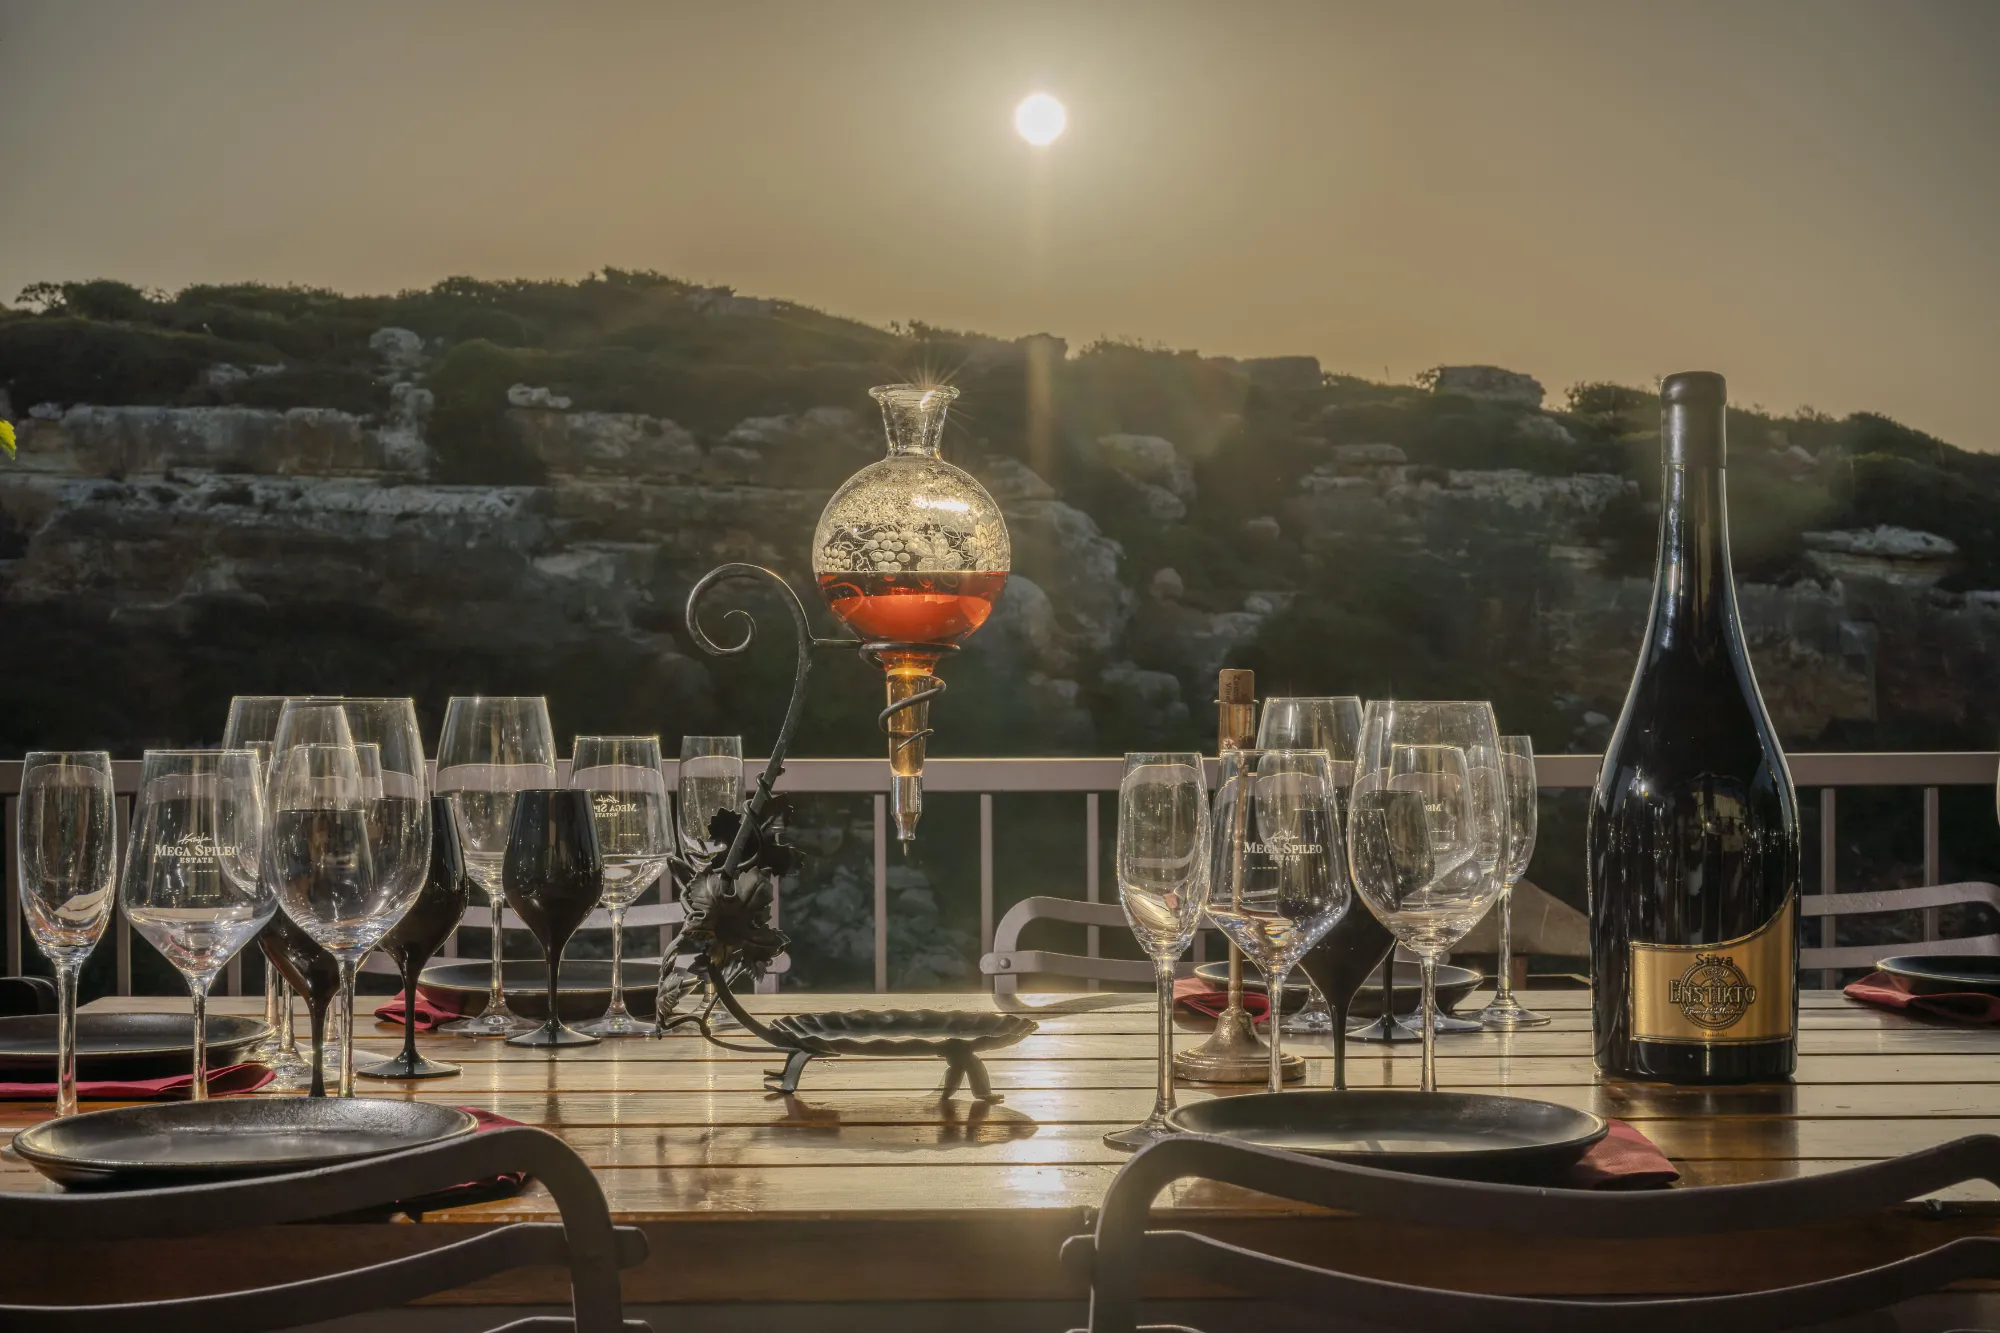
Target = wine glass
(1278,883)
(1522,801)
(1333,724)
(192,882)
(553,874)
(390,752)
(1425,830)
(332,813)
(411,942)
(253,725)
(492,749)
(635,835)
(711,780)
(67,855)
(1163,878)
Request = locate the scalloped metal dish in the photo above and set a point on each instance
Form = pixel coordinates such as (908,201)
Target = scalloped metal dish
(901,1032)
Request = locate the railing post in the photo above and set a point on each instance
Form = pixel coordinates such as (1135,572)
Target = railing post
(1090,885)
(986,876)
(15,923)
(1932,874)
(1829,847)
(881,893)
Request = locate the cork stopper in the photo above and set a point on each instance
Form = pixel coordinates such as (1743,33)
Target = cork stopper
(1236,687)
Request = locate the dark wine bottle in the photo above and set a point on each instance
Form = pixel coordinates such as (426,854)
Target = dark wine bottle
(1694,825)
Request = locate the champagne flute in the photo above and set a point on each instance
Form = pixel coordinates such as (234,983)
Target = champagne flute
(492,749)
(67,854)
(634,819)
(192,883)
(1163,878)
(1333,724)
(1278,881)
(253,726)
(1522,801)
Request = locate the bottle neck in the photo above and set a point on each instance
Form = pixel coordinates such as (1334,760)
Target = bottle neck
(1694,596)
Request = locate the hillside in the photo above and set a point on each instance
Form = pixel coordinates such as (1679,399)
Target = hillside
(510,486)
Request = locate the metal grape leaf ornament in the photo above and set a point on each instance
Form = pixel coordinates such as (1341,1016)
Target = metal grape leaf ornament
(730,921)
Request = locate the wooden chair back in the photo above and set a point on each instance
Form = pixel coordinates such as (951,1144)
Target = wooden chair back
(1122,1252)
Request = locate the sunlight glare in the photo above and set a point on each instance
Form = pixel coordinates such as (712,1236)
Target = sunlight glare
(1040,119)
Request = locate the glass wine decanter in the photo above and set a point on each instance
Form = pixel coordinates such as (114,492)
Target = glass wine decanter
(911,553)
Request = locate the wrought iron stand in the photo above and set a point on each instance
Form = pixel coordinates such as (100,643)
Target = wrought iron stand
(953,1038)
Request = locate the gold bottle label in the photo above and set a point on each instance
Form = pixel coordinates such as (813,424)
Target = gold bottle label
(1718,994)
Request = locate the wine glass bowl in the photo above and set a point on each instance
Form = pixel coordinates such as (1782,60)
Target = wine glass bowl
(192,882)
(553,874)
(66,852)
(710,781)
(492,748)
(435,914)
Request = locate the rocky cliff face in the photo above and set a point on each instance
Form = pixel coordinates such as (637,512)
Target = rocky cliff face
(164,520)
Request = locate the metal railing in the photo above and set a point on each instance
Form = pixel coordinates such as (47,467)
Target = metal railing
(1091,778)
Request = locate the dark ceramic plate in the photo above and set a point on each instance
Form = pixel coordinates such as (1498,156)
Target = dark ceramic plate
(586,987)
(903,1032)
(1454,984)
(178,1143)
(1942,973)
(121,1046)
(1465,1135)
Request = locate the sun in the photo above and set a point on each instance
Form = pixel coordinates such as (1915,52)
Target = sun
(1040,119)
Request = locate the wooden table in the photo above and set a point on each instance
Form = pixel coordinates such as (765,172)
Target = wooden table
(865,1188)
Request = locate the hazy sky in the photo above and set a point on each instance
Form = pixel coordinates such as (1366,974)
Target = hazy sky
(1799,193)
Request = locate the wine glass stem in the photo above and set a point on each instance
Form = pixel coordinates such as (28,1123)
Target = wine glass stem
(1163,1097)
(496,1000)
(1429,966)
(617,1009)
(274,988)
(1274,996)
(199,986)
(412,965)
(348,967)
(1504,995)
(288,1037)
(66,1038)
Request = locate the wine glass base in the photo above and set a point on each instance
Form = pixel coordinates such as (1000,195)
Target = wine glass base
(290,1077)
(552,1033)
(1308,1023)
(618,1025)
(1497,1017)
(1139,1136)
(397,1067)
(489,1024)
(1385,1029)
(1452,1023)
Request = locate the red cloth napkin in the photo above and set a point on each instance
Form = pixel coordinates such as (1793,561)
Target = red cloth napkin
(1195,993)
(433,1008)
(221,1083)
(1624,1159)
(1879,988)
(503,1186)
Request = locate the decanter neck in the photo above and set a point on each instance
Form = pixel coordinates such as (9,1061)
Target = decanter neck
(913,416)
